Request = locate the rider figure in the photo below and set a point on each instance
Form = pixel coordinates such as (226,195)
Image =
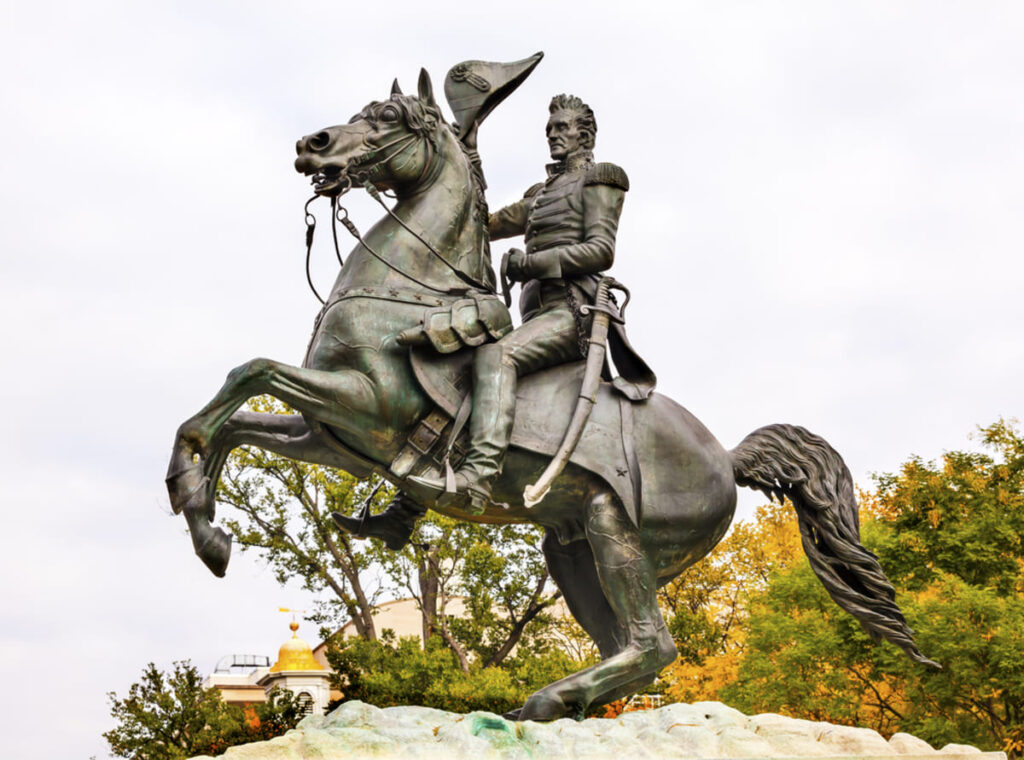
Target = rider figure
(569,222)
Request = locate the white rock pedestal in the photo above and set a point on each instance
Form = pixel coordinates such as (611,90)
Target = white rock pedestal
(357,731)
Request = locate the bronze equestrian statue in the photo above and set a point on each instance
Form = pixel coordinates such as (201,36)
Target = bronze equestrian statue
(414,342)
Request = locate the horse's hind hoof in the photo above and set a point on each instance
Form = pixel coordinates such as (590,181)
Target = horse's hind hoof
(543,707)
(215,551)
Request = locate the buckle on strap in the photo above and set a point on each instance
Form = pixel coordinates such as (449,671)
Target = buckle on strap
(426,435)
(428,431)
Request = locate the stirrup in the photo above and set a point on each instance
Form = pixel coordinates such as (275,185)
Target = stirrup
(472,497)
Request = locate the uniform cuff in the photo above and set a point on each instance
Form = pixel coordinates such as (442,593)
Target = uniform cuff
(544,265)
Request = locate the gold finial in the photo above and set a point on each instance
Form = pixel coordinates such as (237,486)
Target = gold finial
(295,654)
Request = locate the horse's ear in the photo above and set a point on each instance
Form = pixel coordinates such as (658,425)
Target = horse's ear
(395,89)
(426,89)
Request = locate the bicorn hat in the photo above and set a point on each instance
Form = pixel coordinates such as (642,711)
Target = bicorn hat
(474,88)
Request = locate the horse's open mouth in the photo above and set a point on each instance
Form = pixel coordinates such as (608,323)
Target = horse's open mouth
(329,180)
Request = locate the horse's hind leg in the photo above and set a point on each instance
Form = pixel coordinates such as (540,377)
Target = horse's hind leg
(573,570)
(628,579)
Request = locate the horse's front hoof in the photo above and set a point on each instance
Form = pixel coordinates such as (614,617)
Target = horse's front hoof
(215,551)
(542,706)
(186,486)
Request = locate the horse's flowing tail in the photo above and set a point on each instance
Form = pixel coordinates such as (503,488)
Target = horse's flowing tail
(789,461)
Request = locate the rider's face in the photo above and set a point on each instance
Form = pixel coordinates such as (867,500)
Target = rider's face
(564,137)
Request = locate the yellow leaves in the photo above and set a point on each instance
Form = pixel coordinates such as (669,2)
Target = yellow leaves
(872,507)
(714,597)
(1013,747)
(268,405)
(689,682)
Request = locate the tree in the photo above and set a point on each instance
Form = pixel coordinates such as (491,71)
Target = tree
(951,537)
(169,716)
(707,606)
(282,511)
(499,572)
(392,671)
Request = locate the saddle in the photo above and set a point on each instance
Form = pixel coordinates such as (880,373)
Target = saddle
(545,402)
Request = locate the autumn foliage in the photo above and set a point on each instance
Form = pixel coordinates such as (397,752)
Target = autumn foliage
(756,629)
(707,607)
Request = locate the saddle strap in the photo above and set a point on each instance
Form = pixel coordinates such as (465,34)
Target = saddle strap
(425,437)
(419,444)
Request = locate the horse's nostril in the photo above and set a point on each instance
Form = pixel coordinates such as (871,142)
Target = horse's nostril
(319,141)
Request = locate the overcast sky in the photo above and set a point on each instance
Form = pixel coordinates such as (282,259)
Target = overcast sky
(824,228)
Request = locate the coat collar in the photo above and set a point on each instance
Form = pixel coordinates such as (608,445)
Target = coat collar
(576,162)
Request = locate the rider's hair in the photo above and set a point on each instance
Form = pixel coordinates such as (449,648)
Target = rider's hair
(585,120)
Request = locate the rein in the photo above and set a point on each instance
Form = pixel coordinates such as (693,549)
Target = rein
(311,229)
(340,214)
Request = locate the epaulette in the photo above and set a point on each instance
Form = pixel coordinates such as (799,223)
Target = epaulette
(607,174)
(534,190)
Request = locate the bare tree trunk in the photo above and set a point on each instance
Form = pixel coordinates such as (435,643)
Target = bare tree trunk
(456,647)
(535,607)
(428,598)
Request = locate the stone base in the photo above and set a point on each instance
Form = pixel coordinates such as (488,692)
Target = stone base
(703,730)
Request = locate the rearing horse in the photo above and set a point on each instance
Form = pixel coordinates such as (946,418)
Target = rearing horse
(359,401)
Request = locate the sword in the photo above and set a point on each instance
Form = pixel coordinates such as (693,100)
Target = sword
(603,314)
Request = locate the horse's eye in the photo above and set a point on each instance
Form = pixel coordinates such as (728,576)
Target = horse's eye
(388,113)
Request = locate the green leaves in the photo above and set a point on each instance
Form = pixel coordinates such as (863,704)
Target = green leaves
(281,509)
(170,716)
(394,671)
(963,516)
(949,535)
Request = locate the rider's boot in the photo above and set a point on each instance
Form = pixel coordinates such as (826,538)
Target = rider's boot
(490,427)
(393,526)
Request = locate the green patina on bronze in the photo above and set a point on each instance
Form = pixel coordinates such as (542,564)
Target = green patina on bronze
(414,315)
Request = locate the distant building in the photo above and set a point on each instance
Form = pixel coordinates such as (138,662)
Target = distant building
(246,679)
(402,616)
(305,671)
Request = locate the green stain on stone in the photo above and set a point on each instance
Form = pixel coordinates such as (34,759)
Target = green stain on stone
(498,732)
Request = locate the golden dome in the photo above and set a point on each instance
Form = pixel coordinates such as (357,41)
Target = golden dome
(295,654)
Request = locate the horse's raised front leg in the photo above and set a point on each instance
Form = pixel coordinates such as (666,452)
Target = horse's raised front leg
(629,582)
(285,434)
(336,398)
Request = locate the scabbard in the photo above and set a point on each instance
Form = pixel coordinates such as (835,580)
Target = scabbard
(598,341)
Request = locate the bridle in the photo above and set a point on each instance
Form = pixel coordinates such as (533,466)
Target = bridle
(360,167)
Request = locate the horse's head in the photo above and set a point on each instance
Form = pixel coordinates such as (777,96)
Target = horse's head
(390,143)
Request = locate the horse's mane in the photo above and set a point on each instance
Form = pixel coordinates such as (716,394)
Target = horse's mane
(426,120)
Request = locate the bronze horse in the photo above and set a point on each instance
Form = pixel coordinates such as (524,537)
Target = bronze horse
(359,401)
